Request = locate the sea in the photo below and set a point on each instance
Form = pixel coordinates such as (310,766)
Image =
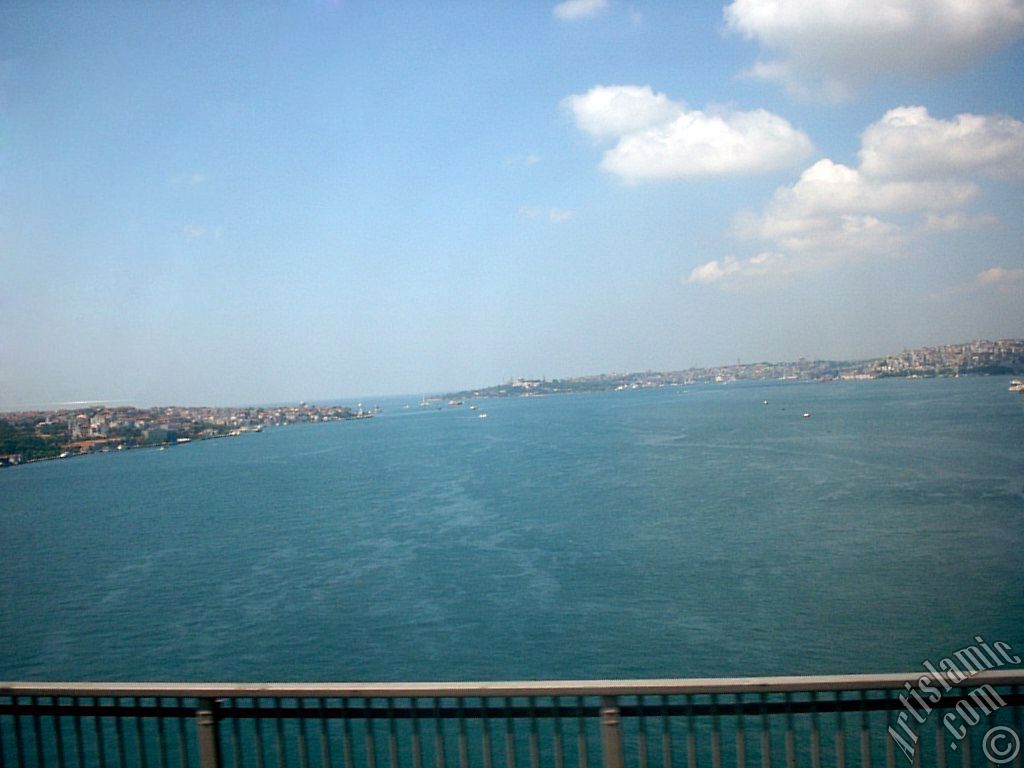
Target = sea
(676,532)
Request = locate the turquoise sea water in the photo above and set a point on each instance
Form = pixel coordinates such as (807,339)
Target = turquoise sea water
(655,533)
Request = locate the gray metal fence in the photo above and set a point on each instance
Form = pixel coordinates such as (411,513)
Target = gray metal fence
(822,722)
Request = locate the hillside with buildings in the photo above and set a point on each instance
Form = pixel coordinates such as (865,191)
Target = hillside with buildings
(1002,357)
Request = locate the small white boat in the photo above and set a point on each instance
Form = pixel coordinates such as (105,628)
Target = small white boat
(1017,386)
(482,416)
(806,415)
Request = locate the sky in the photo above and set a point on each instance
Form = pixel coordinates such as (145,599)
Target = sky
(234,203)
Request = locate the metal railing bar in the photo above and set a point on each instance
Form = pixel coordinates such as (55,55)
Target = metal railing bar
(557,742)
(1017,726)
(19,745)
(840,736)
(691,734)
(533,739)
(940,746)
(303,743)
(282,758)
(485,734)
(716,734)
(494,689)
(101,747)
(183,759)
(417,742)
(122,761)
(790,738)
(325,739)
(79,742)
(581,733)
(766,735)
(462,739)
(58,739)
(140,738)
(236,740)
(815,733)
(890,745)
(368,740)
(965,746)
(439,750)
(741,737)
(140,752)
(258,736)
(666,734)
(510,737)
(392,735)
(641,734)
(346,739)
(37,738)
(865,733)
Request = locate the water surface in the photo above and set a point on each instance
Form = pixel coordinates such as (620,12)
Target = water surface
(656,533)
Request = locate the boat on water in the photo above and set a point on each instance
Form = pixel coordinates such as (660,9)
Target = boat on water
(482,416)
(1017,386)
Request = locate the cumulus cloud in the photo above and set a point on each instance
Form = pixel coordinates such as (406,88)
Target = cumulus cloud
(607,111)
(901,191)
(908,141)
(659,138)
(766,263)
(829,187)
(833,48)
(571,10)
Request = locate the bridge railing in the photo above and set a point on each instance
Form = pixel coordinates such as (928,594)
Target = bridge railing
(823,722)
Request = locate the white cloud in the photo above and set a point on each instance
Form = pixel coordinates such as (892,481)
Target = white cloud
(607,111)
(903,190)
(766,263)
(1000,276)
(828,187)
(660,139)
(570,10)
(833,48)
(713,272)
(908,141)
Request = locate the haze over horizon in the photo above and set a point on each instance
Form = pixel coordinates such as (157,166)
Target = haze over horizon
(224,204)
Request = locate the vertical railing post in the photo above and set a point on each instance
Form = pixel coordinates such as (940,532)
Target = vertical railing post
(611,733)
(206,727)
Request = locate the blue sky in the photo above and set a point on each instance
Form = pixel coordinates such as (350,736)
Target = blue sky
(235,203)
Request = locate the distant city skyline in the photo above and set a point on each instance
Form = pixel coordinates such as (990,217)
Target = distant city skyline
(223,205)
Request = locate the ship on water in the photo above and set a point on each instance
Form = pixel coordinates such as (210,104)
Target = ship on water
(1017,386)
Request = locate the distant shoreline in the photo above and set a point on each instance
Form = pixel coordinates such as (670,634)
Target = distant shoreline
(1004,357)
